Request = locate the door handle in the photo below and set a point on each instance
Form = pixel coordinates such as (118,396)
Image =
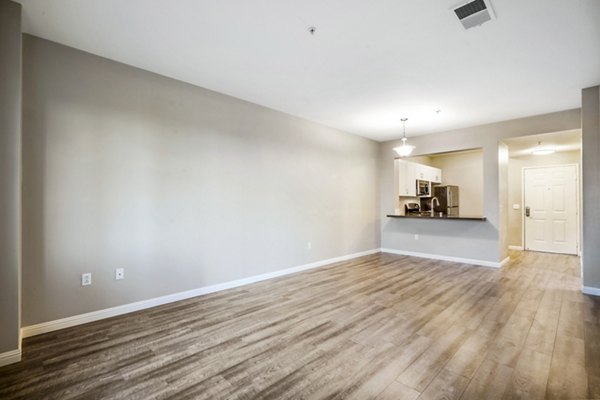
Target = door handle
(527,211)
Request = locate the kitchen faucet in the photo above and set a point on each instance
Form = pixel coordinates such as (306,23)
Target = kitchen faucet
(433,200)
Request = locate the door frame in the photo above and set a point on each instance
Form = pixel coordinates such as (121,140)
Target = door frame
(577,202)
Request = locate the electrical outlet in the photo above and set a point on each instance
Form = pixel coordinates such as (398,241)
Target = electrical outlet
(308,245)
(119,274)
(86,279)
(416,236)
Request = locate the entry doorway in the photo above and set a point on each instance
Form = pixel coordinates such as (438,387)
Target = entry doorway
(551,209)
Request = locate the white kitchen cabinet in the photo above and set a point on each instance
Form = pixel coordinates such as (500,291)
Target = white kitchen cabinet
(435,175)
(407,174)
(427,173)
(422,172)
(407,178)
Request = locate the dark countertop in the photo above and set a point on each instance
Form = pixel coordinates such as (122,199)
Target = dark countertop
(437,216)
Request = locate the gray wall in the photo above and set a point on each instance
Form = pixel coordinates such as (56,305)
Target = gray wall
(590,130)
(10,173)
(467,239)
(515,183)
(181,186)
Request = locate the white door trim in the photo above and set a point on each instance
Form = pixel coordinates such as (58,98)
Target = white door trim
(577,208)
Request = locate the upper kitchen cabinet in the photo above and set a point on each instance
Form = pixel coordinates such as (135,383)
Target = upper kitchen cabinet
(407,178)
(427,173)
(436,175)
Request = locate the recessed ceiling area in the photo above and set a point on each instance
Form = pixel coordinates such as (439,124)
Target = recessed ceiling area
(559,141)
(367,65)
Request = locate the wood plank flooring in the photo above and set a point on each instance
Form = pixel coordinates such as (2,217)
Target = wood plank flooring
(377,327)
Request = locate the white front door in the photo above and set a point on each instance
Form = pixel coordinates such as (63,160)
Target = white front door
(550,195)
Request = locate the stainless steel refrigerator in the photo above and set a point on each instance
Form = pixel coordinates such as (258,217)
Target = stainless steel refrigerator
(448,198)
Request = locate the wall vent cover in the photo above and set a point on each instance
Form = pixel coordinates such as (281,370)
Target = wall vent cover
(474,13)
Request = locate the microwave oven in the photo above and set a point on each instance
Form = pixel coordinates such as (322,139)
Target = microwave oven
(423,188)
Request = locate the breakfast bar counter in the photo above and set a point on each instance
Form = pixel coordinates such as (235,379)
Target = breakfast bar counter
(428,215)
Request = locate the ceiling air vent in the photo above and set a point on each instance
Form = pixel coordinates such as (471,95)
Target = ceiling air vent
(474,13)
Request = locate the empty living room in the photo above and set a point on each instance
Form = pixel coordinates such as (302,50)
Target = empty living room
(276,199)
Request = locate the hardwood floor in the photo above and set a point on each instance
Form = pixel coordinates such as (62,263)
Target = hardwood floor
(377,327)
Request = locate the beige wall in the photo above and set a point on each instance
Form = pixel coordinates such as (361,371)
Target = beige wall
(10,174)
(590,132)
(464,169)
(426,160)
(515,168)
(181,186)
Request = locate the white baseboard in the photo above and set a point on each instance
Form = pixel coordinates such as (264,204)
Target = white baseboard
(50,326)
(484,263)
(519,248)
(590,290)
(10,357)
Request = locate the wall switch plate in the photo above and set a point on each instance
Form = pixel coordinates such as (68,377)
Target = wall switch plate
(86,279)
(416,236)
(516,206)
(308,245)
(119,274)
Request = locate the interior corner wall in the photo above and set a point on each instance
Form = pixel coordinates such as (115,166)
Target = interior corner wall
(503,198)
(590,155)
(10,174)
(181,186)
(461,239)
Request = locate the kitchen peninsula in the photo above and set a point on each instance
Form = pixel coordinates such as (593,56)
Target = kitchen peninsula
(439,216)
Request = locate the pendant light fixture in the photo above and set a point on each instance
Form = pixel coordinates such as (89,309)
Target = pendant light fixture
(542,151)
(404,150)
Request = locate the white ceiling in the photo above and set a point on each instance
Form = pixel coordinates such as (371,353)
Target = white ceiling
(559,141)
(369,63)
